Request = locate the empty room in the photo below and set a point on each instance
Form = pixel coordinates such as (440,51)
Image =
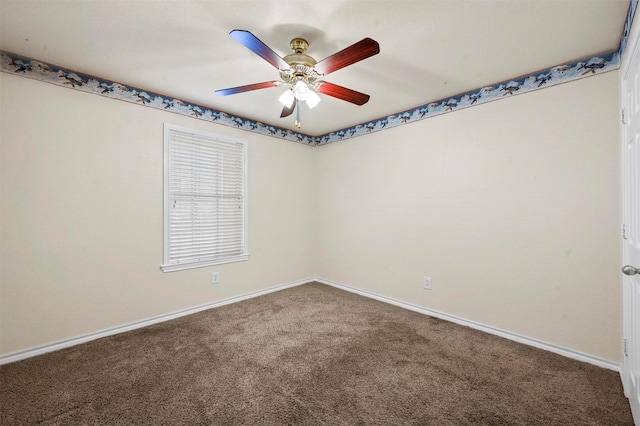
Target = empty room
(345,212)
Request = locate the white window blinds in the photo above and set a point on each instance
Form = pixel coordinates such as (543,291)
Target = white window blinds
(205,199)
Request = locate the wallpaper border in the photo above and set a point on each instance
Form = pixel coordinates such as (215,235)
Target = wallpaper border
(558,74)
(37,70)
(19,65)
(517,86)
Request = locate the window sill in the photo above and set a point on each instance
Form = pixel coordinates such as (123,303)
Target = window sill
(183,266)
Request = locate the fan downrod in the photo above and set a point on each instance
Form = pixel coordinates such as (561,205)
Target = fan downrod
(299,45)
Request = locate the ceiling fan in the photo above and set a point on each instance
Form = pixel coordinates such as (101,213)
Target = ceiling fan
(303,74)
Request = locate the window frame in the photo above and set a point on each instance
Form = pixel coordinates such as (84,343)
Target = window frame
(202,136)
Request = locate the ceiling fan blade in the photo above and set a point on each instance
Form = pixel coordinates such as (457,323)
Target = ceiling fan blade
(247,88)
(254,44)
(288,111)
(350,55)
(343,93)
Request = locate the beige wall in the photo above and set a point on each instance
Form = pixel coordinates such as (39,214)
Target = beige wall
(81,216)
(512,208)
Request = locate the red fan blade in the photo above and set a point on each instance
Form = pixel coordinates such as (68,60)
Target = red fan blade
(343,93)
(247,88)
(350,55)
(254,44)
(288,111)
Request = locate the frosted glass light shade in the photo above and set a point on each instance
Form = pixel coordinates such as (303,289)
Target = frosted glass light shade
(287,98)
(313,99)
(301,91)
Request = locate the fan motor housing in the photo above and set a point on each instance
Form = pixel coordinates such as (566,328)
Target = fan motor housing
(298,57)
(301,64)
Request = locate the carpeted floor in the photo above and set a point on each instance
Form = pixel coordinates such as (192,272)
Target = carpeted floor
(311,355)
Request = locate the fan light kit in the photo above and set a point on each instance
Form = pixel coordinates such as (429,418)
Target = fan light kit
(303,74)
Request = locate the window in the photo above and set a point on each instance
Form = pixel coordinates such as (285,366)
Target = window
(204,199)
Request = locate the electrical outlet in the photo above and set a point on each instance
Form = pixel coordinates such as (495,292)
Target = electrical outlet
(215,278)
(426,283)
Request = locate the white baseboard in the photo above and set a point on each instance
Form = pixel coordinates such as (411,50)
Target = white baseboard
(569,353)
(28,353)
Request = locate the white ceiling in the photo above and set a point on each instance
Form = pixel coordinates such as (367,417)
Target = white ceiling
(429,49)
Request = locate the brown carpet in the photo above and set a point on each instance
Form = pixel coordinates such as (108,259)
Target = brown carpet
(308,355)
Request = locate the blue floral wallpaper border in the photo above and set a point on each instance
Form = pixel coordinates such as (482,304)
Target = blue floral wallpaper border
(15,64)
(545,78)
(627,27)
(27,67)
